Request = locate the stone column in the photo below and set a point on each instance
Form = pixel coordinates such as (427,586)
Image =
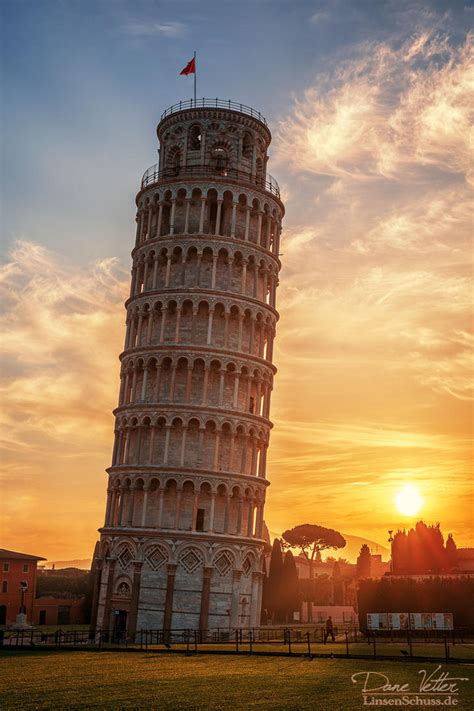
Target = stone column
(150,218)
(172,216)
(160,506)
(96,583)
(160,218)
(234,610)
(164,311)
(241,325)
(167,444)
(156,390)
(149,327)
(131,506)
(209,327)
(178,507)
(247,223)
(120,511)
(201,217)
(108,507)
(250,519)
(243,287)
(151,445)
(108,595)
(168,271)
(144,384)
(195,508)
(186,218)
(183,446)
(221,386)
(259,227)
(226,329)
(132,618)
(214,271)
(218,217)
(145,506)
(236,391)
(216,451)
(178,323)
(168,613)
(212,511)
(206,588)
(256,602)
(174,367)
(189,383)
(234,219)
(239,515)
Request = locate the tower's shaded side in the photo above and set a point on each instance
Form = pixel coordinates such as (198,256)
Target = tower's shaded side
(181,546)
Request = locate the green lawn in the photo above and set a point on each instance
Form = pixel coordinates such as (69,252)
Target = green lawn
(114,681)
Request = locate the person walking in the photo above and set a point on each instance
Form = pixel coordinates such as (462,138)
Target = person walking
(329,630)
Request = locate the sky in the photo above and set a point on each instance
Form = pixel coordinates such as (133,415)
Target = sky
(371,116)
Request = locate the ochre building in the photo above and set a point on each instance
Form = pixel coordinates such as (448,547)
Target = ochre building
(181,546)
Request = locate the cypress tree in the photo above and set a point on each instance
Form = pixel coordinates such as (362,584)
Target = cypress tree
(274,577)
(364,562)
(289,597)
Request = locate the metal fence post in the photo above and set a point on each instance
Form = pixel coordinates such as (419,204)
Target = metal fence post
(236,641)
(309,644)
(446,648)
(250,640)
(375,646)
(347,643)
(289,642)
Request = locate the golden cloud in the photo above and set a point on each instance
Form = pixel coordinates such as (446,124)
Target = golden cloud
(385,113)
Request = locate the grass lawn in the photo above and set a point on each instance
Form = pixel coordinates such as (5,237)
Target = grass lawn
(108,680)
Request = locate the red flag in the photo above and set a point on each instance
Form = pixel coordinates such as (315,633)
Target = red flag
(190,67)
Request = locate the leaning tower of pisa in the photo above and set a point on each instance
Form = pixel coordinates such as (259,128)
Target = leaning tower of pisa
(181,546)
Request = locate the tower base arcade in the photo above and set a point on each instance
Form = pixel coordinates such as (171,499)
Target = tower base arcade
(153,583)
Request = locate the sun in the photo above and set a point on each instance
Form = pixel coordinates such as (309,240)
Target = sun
(408,500)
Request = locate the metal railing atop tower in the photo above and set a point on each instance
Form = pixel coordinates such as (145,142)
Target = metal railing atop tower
(214,104)
(154,175)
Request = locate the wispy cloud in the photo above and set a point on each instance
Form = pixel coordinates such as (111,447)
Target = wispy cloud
(376,291)
(386,112)
(148,29)
(62,329)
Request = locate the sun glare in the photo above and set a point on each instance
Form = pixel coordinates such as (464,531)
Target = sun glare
(408,500)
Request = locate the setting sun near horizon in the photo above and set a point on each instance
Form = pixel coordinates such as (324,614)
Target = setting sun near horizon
(408,500)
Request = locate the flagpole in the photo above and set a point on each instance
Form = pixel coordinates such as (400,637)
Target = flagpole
(195,72)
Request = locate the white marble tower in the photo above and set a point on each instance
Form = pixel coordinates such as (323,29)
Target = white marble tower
(181,546)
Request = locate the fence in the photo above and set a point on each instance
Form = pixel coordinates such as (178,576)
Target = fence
(214,104)
(457,645)
(154,175)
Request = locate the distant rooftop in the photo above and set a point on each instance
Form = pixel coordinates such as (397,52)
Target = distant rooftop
(4,554)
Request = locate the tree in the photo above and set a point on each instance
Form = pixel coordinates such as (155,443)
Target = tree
(451,552)
(419,551)
(311,539)
(274,578)
(364,562)
(289,592)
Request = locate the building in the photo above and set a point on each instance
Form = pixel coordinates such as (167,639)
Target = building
(465,561)
(18,585)
(48,610)
(181,546)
